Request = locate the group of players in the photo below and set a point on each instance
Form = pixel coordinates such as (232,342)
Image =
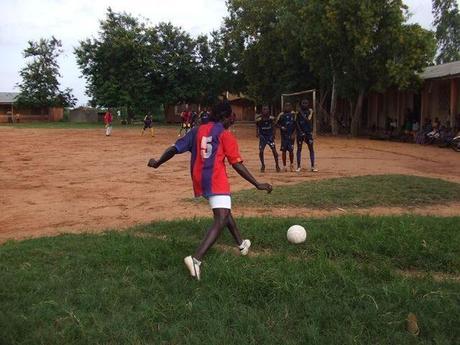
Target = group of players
(292,125)
(192,119)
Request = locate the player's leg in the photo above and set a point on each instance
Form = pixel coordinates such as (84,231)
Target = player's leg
(283,151)
(291,154)
(243,245)
(151,130)
(193,263)
(299,152)
(221,216)
(312,152)
(262,144)
(275,154)
(283,157)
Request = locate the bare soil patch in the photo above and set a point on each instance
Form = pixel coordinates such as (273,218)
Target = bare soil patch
(74,180)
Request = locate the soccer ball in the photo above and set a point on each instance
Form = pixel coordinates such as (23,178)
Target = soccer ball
(296,234)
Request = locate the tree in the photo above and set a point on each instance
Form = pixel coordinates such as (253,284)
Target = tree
(118,65)
(40,85)
(140,66)
(447,23)
(269,54)
(362,46)
(176,64)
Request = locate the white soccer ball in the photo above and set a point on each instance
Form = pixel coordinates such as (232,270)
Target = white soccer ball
(296,234)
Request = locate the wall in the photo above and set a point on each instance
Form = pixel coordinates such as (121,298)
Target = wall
(243,109)
(31,114)
(83,115)
(441,99)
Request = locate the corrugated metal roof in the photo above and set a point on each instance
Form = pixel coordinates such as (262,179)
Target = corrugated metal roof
(8,97)
(441,71)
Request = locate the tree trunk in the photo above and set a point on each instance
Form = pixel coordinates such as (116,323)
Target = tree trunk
(356,115)
(334,124)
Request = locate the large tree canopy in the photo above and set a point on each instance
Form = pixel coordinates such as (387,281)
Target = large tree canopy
(360,46)
(118,65)
(40,84)
(447,23)
(270,56)
(264,48)
(140,66)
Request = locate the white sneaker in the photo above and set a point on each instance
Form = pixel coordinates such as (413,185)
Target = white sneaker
(244,248)
(314,170)
(298,169)
(193,266)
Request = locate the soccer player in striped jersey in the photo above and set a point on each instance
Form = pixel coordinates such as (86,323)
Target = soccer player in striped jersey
(210,144)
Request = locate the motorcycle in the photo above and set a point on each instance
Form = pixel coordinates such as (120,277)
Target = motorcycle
(455,143)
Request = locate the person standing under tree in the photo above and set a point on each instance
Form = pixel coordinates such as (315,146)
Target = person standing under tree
(108,118)
(186,117)
(304,123)
(265,126)
(210,145)
(148,123)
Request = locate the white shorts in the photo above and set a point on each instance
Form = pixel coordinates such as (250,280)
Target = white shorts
(220,201)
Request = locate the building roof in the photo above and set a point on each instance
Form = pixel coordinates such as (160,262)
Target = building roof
(441,71)
(8,97)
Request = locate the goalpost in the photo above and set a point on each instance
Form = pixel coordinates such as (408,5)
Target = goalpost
(295,99)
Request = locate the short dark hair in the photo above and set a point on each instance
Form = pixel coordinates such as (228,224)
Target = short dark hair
(220,111)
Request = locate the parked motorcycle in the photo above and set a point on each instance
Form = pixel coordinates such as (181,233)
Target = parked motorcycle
(455,143)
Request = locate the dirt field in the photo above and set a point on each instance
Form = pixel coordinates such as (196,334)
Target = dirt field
(63,180)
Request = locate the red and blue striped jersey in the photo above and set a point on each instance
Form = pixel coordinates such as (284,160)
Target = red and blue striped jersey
(210,144)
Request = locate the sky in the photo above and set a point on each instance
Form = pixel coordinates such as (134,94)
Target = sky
(75,20)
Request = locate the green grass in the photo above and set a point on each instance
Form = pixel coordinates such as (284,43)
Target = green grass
(352,192)
(340,287)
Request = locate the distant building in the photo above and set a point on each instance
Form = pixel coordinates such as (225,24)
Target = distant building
(10,112)
(243,107)
(438,97)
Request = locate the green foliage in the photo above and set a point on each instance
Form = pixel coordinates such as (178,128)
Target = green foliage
(140,66)
(341,287)
(361,191)
(363,45)
(40,85)
(366,46)
(447,23)
(116,64)
(270,52)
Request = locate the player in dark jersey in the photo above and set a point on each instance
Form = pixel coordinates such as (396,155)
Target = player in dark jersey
(148,122)
(210,145)
(304,124)
(287,123)
(204,116)
(194,119)
(265,125)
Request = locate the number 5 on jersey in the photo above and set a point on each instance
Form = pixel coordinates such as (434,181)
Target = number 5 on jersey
(206,147)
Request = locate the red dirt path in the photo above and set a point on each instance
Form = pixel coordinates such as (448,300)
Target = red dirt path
(74,180)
